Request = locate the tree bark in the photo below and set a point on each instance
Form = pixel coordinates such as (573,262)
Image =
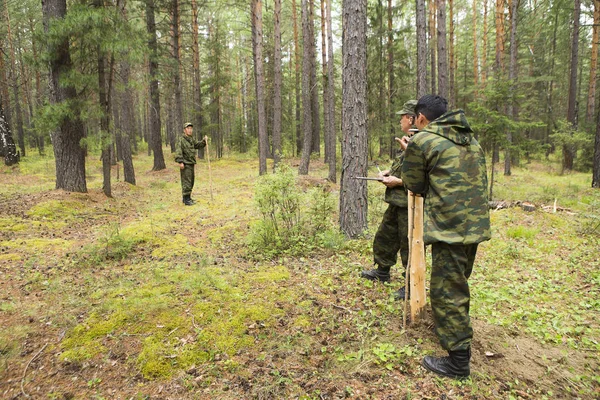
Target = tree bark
(307,115)
(154,124)
(331,99)
(390,72)
(15,83)
(484,47)
(314,85)
(104,118)
(68,154)
(421,44)
(198,118)
(326,140)
(8,150)
(441,48)
(596,164)
(451,57)
(178,110)
(591,105)
(512,76)
(475,56)
(499,61)
(259,80)
(568,151)
(353,192)
(297,124)
(277,81)
(432,47)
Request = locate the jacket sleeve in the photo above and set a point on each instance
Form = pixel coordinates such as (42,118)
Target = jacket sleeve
(414,170)
(178,152)
(201,144)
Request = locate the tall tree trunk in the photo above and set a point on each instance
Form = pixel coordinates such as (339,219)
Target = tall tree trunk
(451,56)
(297,125)
(381,99)
(475,55)
(127,122)
(568,151)
(499,61)
(15,83)
(154,124)
(441,48)
(421,44)
(331,98)
(353,192)
(104,118)
(178,114)
(38,86)
(68,154)
(326,132)
(432,47)
(307,121)
(596,163)
(512,76)
(259,80)
(390,71)
(8,150)
(197,112)
(277,80)
(314,85)
(484,47)
(4,87)
(591,105)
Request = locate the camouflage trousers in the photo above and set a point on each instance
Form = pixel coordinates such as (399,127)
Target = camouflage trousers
(391,237)
(187,179)
(449,293)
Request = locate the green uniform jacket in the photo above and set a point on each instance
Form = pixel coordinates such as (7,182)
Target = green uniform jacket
(185,150)
(396,196)
(445,163)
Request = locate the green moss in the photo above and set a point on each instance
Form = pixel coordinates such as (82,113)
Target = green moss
(57,210)
(10,257)
(36,245)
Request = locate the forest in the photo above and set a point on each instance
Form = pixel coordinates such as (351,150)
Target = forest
(110,288)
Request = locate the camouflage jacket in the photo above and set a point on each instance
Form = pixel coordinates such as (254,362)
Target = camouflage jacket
(185,150)
(446,165)
(396,196)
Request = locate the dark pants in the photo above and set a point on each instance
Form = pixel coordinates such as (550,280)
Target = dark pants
(449,293)
(187,179)
(391,237)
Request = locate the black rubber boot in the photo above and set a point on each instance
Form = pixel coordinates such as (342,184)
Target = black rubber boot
(456,365)
(378,274)
(399,294)
(187,201)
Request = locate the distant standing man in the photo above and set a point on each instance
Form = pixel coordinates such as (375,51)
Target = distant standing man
(446,165)
(185,155)
(392,234)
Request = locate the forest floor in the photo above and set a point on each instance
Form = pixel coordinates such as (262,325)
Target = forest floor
(141,297)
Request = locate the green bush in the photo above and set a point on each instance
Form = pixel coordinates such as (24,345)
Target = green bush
(292,221)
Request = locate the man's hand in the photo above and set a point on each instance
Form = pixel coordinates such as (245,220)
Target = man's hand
(404,142)
(382,174)
(391,181)
(181,165)
(206,138)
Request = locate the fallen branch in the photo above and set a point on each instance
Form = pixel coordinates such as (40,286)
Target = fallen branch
(27,366)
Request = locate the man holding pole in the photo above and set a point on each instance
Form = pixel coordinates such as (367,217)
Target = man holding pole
(446,165)
(392,234)
(185,155)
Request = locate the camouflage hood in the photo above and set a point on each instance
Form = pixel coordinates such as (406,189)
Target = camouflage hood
(453,126)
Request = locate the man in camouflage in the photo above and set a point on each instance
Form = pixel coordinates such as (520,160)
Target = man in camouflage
(185,155)
(392,234)
(446,165)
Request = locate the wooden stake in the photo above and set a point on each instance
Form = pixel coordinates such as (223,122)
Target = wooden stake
(416,263)
(209,170)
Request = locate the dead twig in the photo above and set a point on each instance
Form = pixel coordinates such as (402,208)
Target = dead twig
(27,366)
(342,308)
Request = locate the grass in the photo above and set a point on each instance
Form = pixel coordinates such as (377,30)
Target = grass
(139,295)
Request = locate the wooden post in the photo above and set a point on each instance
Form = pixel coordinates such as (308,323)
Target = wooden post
(416,264)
